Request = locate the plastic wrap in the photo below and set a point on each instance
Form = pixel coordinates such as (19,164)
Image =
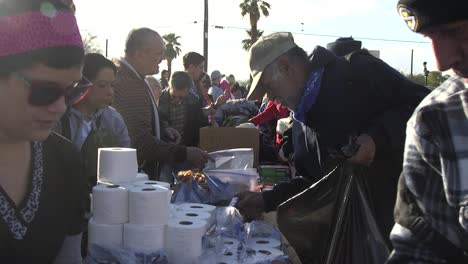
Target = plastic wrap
(229,222)
(189,192)
(119,255)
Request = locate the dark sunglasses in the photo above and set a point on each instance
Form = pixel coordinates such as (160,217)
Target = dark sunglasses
(46,92)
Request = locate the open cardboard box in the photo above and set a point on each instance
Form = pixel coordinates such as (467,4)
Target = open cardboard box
(221,138)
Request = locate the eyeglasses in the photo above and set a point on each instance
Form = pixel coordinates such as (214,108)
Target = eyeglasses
(46,92)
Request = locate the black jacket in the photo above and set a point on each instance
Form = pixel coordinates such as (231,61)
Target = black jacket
(194,118)
(361,96)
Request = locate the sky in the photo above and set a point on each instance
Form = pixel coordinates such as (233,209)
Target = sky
(312,22)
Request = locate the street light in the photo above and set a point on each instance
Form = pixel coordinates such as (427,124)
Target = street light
(426,72)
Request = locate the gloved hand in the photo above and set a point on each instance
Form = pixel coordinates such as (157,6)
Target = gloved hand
(197,157)
(250,205)
(173,135)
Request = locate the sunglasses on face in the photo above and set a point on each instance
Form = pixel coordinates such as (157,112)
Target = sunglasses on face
(46,92)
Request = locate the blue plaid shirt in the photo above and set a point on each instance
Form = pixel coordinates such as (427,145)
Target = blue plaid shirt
(436,171)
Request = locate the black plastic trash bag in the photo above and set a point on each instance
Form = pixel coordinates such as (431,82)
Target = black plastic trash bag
(332,222)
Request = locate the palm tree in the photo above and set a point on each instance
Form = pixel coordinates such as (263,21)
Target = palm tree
(254,8)
(172,49)
(247,43)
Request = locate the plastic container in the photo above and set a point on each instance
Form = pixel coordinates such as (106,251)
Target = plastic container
(243,180)
(240,158)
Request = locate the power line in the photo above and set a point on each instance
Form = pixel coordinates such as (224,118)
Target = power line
(330,36)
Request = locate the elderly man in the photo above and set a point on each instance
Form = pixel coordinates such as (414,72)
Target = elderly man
(432,207)
(144,51)
(334,101)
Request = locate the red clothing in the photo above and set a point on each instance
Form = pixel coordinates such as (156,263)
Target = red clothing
(272,111)
(224,85)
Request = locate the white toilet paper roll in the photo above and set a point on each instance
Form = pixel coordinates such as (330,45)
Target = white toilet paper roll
(197,207)
(141,177)
(110,204)
(230,244)
(148,206)
(227,257)
(155,183)
(117,165)
(196,215)
(260,242)
(144,239)
(265,254)
(104,235)
(184,240)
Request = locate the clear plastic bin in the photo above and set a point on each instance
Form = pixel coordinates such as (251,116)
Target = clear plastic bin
(246,179)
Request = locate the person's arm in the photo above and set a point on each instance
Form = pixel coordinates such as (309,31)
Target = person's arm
(139,125)
(283,191)
(120,130)
(393,94)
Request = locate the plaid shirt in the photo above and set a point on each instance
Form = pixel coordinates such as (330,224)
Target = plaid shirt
(177,115)
(436,171)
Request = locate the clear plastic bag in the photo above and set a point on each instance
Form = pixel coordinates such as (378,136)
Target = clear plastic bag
(229,222)
(115,255)
(239,158)
(258,231)
(119,255)
(189,192)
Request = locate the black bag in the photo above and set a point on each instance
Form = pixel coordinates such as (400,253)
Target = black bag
(332,221)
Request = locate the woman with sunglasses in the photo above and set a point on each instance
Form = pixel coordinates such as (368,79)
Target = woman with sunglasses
(42,190)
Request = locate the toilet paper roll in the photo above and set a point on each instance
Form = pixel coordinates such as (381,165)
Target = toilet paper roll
(156,183)
(104,235)
(148,206)
(197,207)
(204,216)
(260,243)
(265,254)
(227,257)
(230,244)
(184,240)
(141,177)
(110,204)
(144,239)
(117,165)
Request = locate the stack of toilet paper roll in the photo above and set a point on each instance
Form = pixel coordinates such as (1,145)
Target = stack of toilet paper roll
(128,210)
(188,223)
(261,249)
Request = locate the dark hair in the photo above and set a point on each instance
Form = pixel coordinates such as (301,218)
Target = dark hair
(236,87)
(137,39)
(206,80)
(63,57)
(93,63)
(180,80)
(164,72)
(192,58)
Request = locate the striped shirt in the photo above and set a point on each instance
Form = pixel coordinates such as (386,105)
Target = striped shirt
(436,171)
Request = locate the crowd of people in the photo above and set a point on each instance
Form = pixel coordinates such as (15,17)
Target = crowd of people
(59,105)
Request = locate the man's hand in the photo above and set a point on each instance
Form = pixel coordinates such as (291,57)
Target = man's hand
(173,135)
(197,157)
(366,152)
(250,205)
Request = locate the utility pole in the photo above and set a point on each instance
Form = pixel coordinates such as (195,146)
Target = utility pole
(426,72)
(411,73)
(107,46)
(205,36)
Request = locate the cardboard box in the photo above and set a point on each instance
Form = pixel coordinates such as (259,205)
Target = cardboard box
(220,138)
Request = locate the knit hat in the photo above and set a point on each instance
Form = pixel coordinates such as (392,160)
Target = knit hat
(420,15)
(344,46)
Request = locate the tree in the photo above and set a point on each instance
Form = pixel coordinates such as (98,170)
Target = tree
(434,79)
(254,8)
(247,43)
(90,45)
(172,49)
